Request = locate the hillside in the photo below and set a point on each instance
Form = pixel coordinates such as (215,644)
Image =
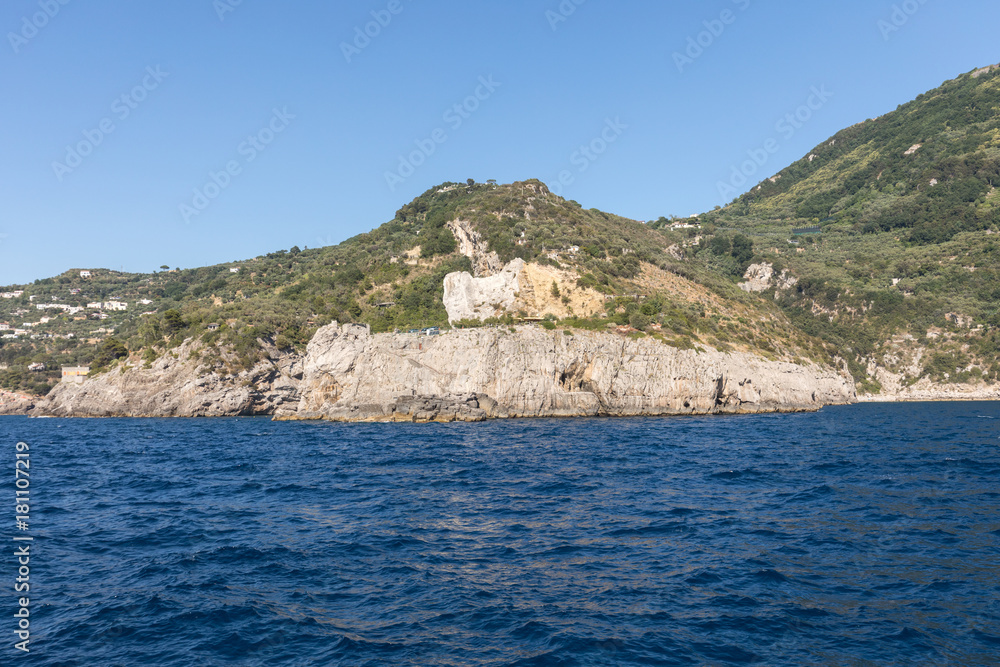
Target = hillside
(880,248)
(593,270)
(903,275)
(926,171)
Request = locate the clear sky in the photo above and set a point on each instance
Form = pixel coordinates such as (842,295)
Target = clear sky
(114,113)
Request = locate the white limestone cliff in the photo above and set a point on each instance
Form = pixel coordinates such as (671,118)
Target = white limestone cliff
(352,375)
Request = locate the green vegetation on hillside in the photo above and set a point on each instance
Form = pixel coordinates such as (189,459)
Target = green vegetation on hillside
(906,264)
(904,273)
(928,169)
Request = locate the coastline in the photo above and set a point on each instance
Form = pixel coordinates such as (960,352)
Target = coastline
(348,374)
(943,398)
(15,411)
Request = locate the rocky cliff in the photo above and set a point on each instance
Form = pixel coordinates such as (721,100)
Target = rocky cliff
(175,386)
(518,286)
(897,387)
(467,297)
(15,404)
(351,375)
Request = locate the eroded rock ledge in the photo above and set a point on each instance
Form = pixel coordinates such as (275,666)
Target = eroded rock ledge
(351,375)
(173,386)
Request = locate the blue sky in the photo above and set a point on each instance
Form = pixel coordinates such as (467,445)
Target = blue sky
(243,127)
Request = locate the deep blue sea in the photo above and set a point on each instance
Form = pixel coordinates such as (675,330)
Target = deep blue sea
(862,535)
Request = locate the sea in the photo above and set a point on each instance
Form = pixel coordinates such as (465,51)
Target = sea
(858,535)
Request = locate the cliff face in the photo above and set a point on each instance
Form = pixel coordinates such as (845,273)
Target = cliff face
(173,387)
(896,388)
(519,287)
(469,298)
(350,374)
(472,245)
(15,404)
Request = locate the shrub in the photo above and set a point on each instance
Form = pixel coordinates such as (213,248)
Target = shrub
(638,321)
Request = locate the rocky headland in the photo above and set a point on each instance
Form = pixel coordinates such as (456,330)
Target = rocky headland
(350,374)
(177,386)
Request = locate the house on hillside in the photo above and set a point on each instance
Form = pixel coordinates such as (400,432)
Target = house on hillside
(75,374)
(36,367)
(85,274)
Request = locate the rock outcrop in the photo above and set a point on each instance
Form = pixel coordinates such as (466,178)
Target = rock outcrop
(471,244)
(469,298)
(899,387)
(174,387)
(519,287)
(15,404)
(761,277)
(352,375)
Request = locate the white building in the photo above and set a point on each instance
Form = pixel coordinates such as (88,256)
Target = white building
(85,274)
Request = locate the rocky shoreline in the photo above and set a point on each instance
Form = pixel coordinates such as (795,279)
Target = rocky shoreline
(349,374)
(939,395)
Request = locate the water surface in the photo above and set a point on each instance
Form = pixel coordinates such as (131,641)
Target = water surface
(858,535)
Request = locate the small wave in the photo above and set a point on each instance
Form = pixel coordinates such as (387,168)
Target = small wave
(703,579)
(842,464)
(770,577)
(683,511)
(654,529)
(727,654)
(815,493)
(533,631)
(748,474)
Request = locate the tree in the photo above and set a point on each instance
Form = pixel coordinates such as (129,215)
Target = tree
(164,267)
(719,245)
(742,249)
(471,182)
(638,321)
(109,351)
(173,321)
